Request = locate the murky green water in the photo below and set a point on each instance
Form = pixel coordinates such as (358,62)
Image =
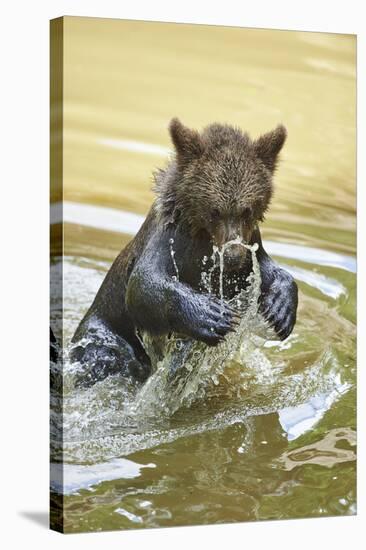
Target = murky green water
(271,434)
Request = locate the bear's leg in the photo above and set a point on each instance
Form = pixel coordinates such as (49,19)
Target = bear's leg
(279,299)
(279,293)
(100,353)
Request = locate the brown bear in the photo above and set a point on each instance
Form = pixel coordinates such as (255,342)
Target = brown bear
(217,188)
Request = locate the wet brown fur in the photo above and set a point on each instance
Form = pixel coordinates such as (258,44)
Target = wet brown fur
(219,174)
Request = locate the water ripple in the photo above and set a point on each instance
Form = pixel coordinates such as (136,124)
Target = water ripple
(120,221)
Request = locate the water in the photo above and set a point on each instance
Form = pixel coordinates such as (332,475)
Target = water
(256,428)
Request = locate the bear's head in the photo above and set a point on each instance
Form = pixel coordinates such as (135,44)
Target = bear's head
(220,183)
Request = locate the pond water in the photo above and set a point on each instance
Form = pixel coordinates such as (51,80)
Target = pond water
(266,431)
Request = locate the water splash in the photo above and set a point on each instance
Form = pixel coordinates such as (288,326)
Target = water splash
(172,253)
(217,261)
(220,251)
(102,422)
(246,376)
(188,367)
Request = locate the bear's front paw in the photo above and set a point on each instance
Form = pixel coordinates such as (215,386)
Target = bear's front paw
(279,305)
(212,320)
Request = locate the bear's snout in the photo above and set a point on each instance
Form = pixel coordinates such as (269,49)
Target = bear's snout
(234,257)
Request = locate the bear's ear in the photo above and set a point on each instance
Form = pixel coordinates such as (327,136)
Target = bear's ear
(269,145)
(187,142)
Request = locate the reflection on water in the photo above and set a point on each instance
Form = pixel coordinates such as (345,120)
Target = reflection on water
(119,221)
(76,477)
(273,434)
(324,452)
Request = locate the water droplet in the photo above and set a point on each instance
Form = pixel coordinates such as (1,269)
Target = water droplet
(172,254)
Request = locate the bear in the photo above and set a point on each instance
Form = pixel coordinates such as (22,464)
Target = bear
(215,189)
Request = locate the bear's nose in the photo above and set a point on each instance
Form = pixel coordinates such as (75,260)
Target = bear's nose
(234,256)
